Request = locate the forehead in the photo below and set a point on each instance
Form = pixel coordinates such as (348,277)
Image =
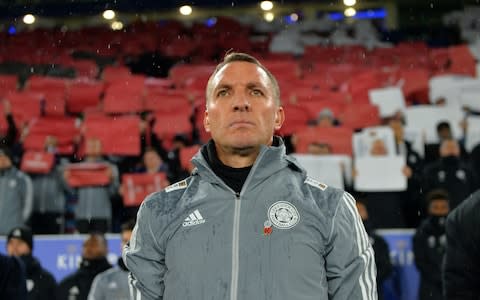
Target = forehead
(240,72)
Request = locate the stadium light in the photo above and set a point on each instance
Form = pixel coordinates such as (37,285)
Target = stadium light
(269,16)
(108,14)
(266,5)
(349,2)
(294,17)
(185,10)
(350,12)
(116,25)
(29,19)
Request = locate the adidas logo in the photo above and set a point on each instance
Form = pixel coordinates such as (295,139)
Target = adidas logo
(195,218)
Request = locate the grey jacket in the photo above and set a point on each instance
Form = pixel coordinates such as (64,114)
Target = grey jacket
(110,284)
(15,199)
(49,192)
(94,201)
(285,236)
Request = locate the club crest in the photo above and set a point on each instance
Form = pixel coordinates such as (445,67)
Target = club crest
(283,215)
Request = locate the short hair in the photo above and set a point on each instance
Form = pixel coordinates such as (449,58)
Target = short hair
(437,194)
(127,226)
(443,125)
(243,57)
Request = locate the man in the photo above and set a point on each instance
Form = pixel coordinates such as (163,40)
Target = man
(12,278)
(16,194)
(461,274)
(248,223)
(93,211)
(380,247)
(429,243)
(40,283)
(94,261)
(113,283)
(451,173)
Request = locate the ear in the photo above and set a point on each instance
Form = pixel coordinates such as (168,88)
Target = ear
(206,121)
(279,118)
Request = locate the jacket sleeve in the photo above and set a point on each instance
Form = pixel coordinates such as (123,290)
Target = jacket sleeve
(144,258)
(27,197)
(427,267)
(96,291)
(459,274)
(350,262)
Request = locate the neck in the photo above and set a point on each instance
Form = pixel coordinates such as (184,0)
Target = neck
(237,157)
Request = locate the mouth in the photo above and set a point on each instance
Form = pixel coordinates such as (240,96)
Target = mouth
(241,123)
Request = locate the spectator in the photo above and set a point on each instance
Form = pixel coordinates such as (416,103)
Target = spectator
(40,283)
(326,118)
(413,207)
(16,194)
(380,247)
(113,283)
(429,244)
(152,162)
(8,140)
(94,261)
(93,211)
(450,173)
(12,278)
(299,230)
(444,132)
(462,262)
(48,197)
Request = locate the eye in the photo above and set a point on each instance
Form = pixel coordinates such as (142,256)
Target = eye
(256,92)
(222,93)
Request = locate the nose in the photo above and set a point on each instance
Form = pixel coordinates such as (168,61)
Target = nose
(241,103)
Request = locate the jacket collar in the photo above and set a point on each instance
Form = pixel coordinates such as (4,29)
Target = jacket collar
(270,160)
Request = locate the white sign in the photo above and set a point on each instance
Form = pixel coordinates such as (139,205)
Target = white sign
(380,174)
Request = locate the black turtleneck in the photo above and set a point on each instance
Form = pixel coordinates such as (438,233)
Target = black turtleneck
(233,177)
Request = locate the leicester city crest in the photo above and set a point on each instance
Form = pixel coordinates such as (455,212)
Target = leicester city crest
(283,215)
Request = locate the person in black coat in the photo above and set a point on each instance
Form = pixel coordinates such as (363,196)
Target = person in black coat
(40,283)
(12,278)
(451,173)
(380,247)
(94,261)
(461,273)
(429,243)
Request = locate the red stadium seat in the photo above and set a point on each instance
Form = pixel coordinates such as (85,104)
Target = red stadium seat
(124,95)
(186,155)
(362,115)
(296,117)
(63,129)
(8,83)
(339,138)
(25,105)
(84,94)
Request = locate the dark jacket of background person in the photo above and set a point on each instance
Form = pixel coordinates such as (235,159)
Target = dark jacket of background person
(429,244)
(462,261)
(382,259)
(77,285)
(12,278)
(40,283)
(452,175)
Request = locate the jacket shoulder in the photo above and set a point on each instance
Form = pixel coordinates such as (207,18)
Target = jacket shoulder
(326,197)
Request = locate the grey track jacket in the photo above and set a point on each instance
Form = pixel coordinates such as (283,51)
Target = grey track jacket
(285,236)
(15,199)
(49,192)
(111,284)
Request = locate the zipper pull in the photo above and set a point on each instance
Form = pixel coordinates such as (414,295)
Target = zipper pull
(237,195)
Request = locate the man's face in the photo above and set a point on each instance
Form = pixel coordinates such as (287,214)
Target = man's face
(438,207)
(241,109)
(378,148)
(17,247)
(151,159)
(93,147)
(5,162)
(94,247)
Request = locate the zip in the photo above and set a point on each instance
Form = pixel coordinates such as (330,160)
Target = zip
(235,247)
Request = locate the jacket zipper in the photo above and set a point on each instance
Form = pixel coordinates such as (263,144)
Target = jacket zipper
(235,247)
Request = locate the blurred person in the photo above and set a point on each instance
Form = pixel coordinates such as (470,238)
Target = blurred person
(152,162)
(40,283)
(93,211)
(429,243)
(113,283)
(461,269)
(326,118)
(48,196)
(8,139)
(444,132)
(94,261)
(16,194)
(450,173)
(247,196)
(380,248)
(413,208)
(13,282)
